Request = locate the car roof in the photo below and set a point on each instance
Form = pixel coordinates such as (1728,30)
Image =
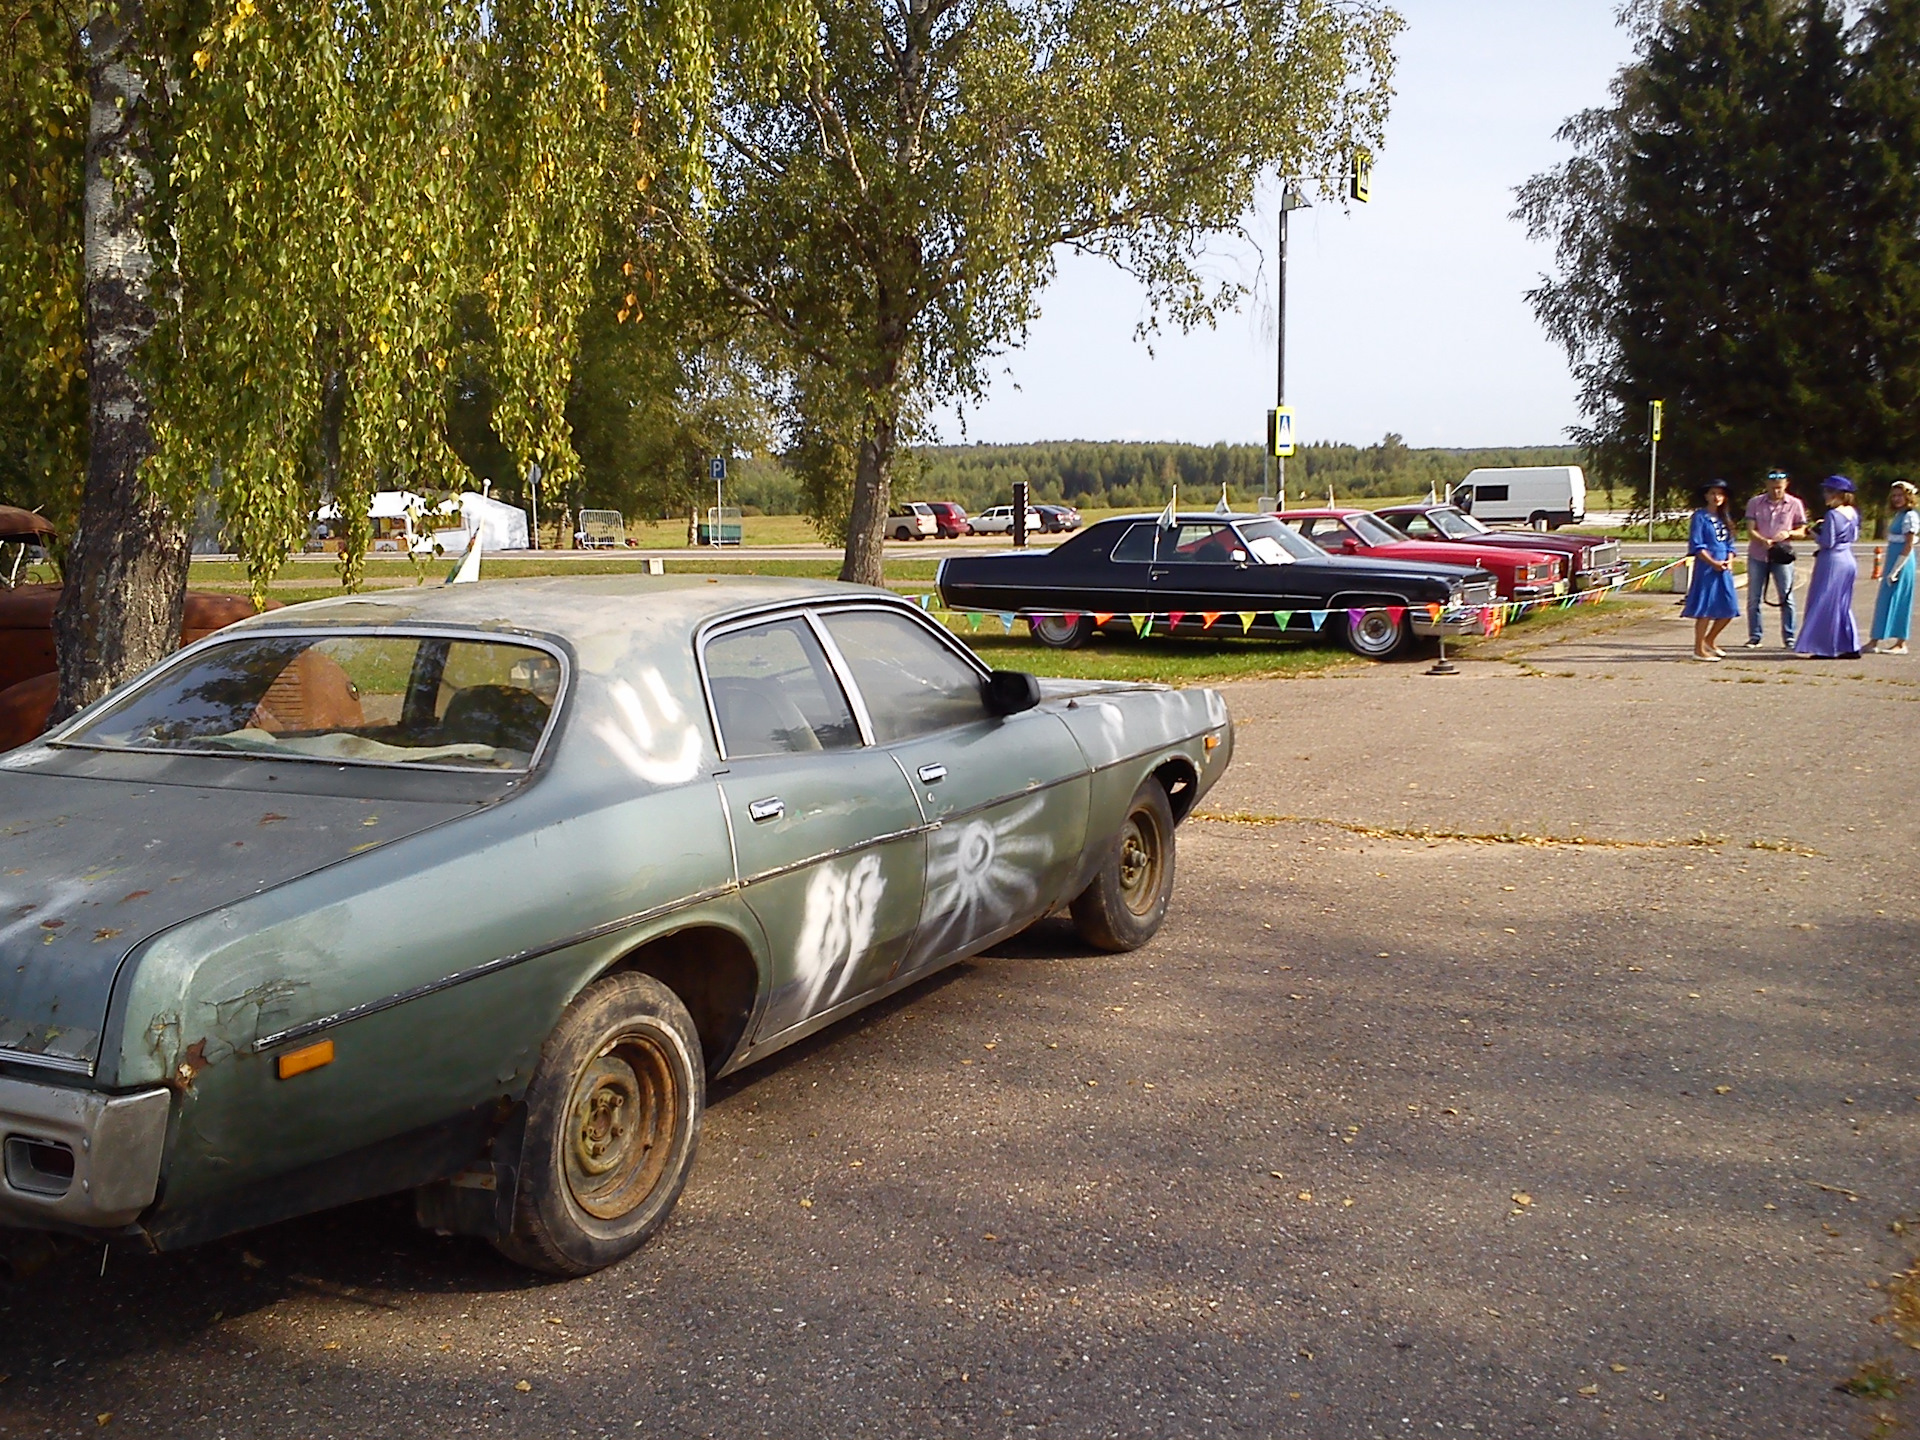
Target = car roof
(597,614)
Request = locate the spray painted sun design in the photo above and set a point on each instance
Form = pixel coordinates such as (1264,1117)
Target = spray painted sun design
(981,874)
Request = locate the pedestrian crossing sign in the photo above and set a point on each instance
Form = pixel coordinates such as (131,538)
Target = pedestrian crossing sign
(1280,432)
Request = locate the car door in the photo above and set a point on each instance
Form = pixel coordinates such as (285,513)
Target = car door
(1007,793)
(1204,566)
(829,842)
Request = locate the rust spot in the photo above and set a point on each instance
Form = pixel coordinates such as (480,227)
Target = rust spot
(239,844)
(51,924)
(105,934)
(270,818)
(191,1064)
(135,895)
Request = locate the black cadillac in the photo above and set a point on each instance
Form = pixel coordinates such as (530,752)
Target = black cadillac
(1203,565)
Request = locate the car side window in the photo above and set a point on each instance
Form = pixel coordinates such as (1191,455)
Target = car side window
(1136,546)
(913,684)
(1417,526)
(774,693)
(1199,545)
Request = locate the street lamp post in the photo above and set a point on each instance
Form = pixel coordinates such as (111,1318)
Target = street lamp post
(1291,199)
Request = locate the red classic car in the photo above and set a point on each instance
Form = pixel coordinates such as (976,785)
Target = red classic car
(1520,574)
(1592,563)
(28,684)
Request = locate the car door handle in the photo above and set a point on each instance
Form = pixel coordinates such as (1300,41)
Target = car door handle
(761,811)
(932,774)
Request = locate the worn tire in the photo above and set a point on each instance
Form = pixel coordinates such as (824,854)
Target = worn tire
(613,1124)
(1537,520)
(1056,633)
(1377,635)
(1123,907)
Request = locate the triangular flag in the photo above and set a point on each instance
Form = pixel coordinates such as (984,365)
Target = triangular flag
(1318,617)
(1434,612)
(1072,617)
(1209,616)
(468,570)
(1394,612)
(1283,618)
(1099,619)
(973,620)
(1167,521)
(1246,621)
(1173,620)
(1142,624)
(1356,618)
(1006,621)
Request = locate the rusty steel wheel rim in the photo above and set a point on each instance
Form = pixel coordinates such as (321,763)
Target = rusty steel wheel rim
(621,1125)
(1141,861)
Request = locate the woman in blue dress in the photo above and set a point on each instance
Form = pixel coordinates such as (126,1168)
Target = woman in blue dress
(1828,633)
(1893,607)
(1711,603)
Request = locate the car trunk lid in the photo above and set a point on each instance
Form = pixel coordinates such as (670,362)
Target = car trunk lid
(90,868)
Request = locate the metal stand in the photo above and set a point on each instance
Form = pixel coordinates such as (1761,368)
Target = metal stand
(1443,666)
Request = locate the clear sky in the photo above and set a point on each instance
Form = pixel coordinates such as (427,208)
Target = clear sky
(1406,315)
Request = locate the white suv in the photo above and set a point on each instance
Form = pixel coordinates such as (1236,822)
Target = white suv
(913,521)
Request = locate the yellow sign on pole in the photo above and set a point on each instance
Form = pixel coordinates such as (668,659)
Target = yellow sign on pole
(1280,432)
(1360,182)
(1659,417)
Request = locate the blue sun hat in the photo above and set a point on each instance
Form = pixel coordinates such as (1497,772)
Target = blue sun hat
(1839,484)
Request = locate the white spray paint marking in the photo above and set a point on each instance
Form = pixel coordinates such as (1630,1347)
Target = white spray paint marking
(649,733)
(26,912)
(981,875)
(843,903)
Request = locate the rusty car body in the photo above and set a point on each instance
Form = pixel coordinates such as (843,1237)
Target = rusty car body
(469,891)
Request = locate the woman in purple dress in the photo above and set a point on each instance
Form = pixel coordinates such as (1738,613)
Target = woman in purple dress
(1828,632)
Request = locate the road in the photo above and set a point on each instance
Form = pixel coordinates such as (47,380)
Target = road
(1401,1127)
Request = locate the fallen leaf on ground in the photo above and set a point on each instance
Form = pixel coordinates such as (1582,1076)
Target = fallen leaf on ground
(1723,1089)
(1522,1198)
(1589,1389)
(523,1386)
(1306,1195)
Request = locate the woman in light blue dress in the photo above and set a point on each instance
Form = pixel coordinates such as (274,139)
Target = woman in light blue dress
(1828,632)
(1711,601)
(1893,607)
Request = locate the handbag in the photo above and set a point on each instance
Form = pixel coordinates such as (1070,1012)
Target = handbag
(1781,554)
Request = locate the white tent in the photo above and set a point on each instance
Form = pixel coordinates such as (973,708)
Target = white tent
(501,526)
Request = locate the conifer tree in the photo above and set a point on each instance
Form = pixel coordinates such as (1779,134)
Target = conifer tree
(1885,198)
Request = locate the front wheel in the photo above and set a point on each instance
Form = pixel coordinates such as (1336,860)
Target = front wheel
(1061,632)
(1123,907)
(1376,634)
(613,1122)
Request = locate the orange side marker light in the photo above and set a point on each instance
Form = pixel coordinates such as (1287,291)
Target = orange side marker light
(307,1057)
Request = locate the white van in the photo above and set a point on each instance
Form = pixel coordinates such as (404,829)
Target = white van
(1543,496)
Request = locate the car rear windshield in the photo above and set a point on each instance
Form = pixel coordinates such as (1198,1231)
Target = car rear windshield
(433,700)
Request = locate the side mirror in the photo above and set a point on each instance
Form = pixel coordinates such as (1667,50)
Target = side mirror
(1352,547)
(1008,692)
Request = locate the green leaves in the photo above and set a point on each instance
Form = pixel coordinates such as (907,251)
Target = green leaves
(893,212)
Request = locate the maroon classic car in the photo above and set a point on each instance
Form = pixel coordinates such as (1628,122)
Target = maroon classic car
(1592,563)
(1529,574)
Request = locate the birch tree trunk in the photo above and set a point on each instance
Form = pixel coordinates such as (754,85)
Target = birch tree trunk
(126,572)
(865,560)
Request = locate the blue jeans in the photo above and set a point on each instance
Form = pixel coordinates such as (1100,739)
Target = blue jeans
(1758,574)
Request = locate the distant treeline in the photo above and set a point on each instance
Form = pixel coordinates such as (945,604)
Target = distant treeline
(1095,474)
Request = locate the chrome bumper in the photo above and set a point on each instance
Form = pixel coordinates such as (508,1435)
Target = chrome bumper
(77,1158)
(1600,579)
(1454,622)
(1552,591)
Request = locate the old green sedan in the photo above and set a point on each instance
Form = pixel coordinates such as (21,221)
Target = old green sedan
(470,891)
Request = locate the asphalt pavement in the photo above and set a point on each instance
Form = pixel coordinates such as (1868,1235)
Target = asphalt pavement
(1529,1052)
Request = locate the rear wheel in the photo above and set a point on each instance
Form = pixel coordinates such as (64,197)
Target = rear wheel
(1124,906)
(613,1122)
(1376,634)
(1538,520)
(1061,632)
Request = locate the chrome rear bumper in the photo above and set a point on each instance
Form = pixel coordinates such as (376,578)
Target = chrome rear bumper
(77,1158)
